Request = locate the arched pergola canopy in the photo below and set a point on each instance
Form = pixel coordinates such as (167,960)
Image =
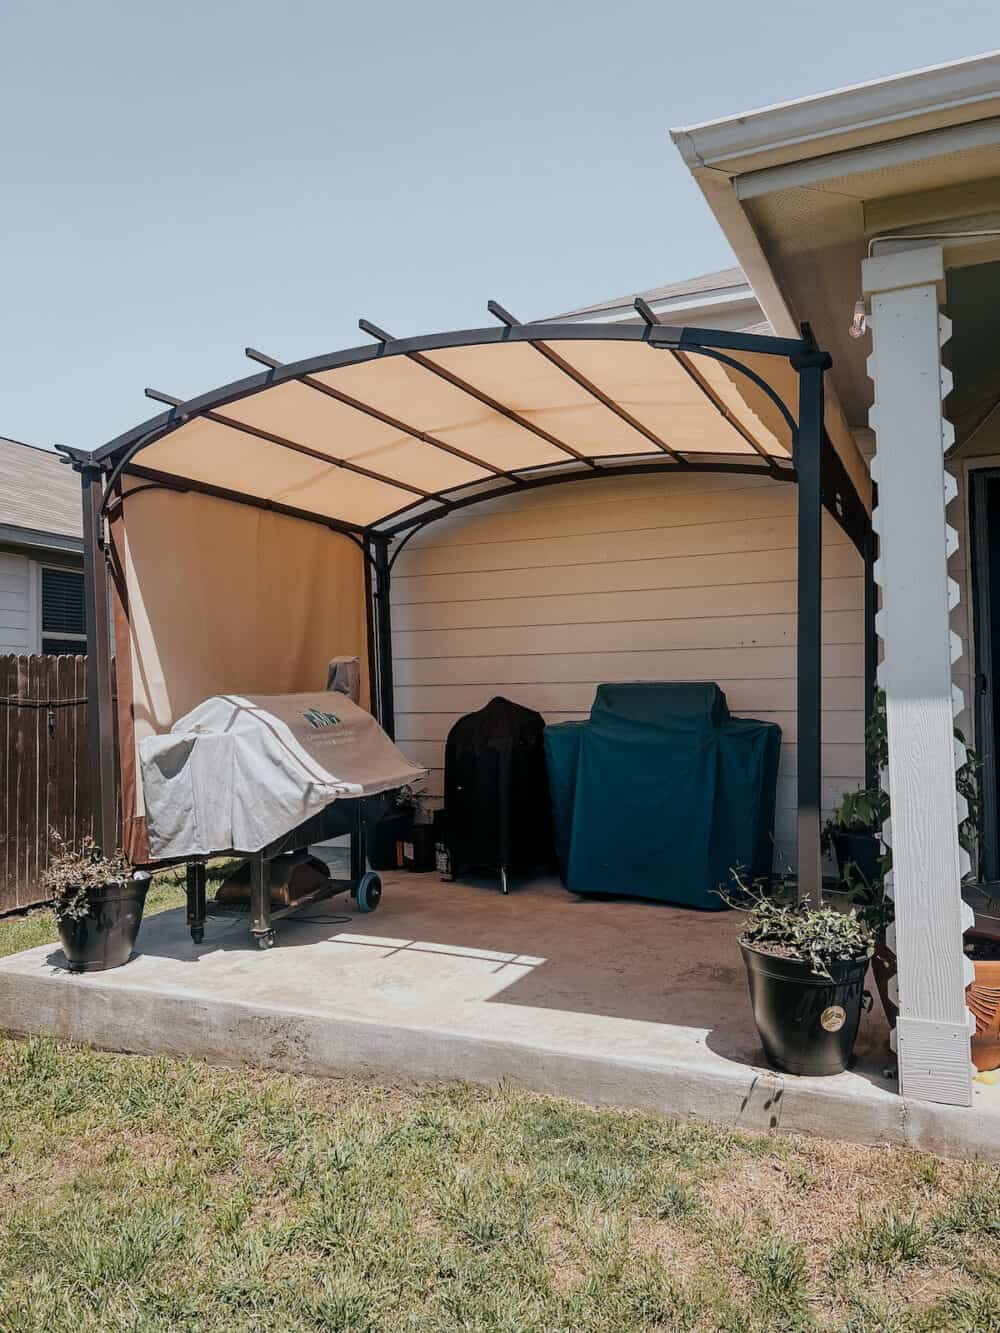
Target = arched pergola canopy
(380,439)
(377,441)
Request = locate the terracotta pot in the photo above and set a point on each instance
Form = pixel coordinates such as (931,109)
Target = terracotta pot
(983,998)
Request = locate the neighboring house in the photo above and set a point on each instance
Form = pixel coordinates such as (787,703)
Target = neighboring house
(41,553)
(722,300)
(880,204)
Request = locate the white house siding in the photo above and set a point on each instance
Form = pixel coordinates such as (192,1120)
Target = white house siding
(16,604)
(542,596)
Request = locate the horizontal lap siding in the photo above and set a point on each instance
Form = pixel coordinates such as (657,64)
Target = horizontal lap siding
(543,596)
(15,603)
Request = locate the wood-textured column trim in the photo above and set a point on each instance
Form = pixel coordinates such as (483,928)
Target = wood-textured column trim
(917,597)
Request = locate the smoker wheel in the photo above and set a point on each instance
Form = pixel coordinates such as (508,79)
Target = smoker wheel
(369,893)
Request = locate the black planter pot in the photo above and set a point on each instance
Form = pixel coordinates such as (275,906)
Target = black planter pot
(105,936)
(808,1024)
(863,849)
(385,840)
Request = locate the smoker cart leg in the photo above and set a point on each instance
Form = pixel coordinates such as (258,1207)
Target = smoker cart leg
(503,880)
(359,850)
(260,901)
(196,875)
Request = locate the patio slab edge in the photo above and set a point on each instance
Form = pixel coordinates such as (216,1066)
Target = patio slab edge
(234,1032)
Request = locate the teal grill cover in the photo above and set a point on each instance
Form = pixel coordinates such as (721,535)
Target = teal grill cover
(662,794)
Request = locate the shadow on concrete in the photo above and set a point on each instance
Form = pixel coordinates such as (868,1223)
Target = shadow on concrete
(616,958)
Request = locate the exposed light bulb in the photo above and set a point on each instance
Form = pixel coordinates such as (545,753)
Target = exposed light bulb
(859,323)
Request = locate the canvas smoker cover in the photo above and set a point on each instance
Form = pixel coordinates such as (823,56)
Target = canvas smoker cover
(239,771)
(662,793)
(496,789)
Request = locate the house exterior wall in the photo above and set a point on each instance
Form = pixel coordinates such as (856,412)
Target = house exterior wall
(20,596)
(17,615)
(542,596)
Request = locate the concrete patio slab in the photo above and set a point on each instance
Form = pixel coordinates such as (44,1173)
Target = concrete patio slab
(608,1002)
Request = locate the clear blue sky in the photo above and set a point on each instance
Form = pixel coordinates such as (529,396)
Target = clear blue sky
(181,179)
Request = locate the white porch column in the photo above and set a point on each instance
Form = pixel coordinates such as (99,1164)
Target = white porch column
(933,1029)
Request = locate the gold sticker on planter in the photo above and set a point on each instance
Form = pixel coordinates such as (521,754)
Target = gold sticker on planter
(833,1019)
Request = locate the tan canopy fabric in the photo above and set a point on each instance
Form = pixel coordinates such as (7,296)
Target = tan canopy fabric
(377,434)
(214,597)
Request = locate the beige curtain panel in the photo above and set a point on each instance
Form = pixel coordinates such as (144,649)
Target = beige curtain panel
(221,598)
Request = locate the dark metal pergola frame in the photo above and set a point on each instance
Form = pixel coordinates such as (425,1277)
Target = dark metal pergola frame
(815,466)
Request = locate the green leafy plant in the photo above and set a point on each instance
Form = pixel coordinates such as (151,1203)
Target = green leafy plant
(866,809)
(72,873)
(862,811)
(818,936)
(408,799)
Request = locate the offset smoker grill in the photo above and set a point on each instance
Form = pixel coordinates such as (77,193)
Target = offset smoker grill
(258,776)
(365,886)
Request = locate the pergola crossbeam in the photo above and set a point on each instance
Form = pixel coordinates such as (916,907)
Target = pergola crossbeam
(684,361)
(595,392)
(359,406)
(403,427)
(172,481)
(486,399)
(348,466)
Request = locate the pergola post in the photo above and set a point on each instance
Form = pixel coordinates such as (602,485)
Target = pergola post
(100,706)
(811,366)
(917,597)
(383,636)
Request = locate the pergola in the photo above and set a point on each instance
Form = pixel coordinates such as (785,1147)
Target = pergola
(375,442)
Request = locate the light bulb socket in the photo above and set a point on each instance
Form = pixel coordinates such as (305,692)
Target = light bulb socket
(859,324)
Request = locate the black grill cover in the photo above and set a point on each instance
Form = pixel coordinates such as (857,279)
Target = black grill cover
(496,789)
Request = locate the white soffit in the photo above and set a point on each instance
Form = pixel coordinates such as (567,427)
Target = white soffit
(788,184)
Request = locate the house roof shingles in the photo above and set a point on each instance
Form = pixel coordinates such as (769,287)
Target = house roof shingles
(38,492)
(703,285)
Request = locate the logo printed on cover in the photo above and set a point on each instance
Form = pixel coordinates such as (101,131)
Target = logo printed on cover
(318,719)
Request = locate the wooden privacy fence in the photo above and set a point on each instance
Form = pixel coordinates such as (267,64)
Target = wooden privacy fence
(44,770)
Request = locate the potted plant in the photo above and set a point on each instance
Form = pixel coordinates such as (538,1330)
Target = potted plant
(854,833)
(98,903)
(419,849)
(806,969)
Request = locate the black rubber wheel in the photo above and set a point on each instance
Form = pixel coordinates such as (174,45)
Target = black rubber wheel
(197,934)
(369,892)
(265,941)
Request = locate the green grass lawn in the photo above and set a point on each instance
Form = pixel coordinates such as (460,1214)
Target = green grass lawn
(158,1194)
(141,1194)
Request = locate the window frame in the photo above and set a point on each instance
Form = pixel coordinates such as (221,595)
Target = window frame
(38,607)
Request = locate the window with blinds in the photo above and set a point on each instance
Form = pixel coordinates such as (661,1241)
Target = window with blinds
(64,628)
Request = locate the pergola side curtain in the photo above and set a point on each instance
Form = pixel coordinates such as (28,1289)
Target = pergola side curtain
(377,442)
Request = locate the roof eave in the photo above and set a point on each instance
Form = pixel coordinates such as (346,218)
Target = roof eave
(922,99)
(13,535)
